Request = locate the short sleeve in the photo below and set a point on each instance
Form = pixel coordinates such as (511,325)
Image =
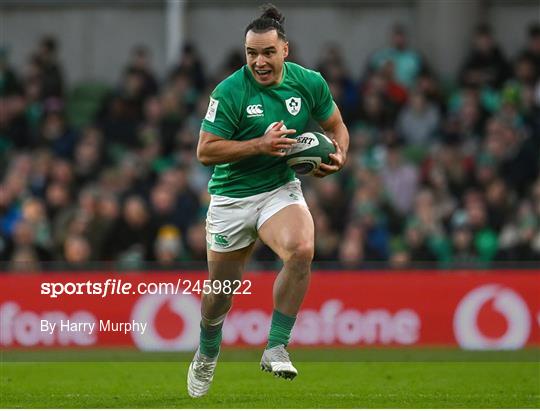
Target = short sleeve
(324,103)
(221,118)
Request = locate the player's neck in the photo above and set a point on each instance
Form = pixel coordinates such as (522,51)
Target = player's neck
(279,79)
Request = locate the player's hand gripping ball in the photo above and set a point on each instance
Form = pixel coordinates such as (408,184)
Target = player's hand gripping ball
(309,152)
(283,127)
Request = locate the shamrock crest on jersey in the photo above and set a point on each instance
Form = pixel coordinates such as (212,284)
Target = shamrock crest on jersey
(293,105)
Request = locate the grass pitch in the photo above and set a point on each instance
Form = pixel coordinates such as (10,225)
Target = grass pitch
(327,379)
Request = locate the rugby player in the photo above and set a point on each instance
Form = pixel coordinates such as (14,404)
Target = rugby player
(253,191)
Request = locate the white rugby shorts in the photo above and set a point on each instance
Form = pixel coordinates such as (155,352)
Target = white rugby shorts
(232,223)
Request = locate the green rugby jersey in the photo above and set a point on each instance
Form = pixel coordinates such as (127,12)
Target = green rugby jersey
(242,109)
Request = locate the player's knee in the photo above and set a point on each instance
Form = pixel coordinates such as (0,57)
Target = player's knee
(299,251)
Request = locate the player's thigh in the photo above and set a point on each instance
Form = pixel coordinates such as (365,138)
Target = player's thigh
(290,232)
(230,235)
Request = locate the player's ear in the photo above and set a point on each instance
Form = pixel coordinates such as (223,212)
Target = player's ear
(285,49)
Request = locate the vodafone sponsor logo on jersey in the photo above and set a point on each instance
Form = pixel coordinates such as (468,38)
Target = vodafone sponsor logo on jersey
(492,316)
(23,327)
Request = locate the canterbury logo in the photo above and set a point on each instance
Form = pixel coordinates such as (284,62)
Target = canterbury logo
(254,110)
(221,240)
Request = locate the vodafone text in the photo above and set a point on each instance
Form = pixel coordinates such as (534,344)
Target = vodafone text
(113,286)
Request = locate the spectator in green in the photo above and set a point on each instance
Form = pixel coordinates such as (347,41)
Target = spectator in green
(408,63)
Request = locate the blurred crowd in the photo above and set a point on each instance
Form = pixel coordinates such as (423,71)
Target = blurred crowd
(439,173)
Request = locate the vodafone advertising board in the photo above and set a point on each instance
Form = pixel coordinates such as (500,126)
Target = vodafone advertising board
(499,309)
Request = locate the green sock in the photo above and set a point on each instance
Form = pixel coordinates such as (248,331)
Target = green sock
(280,330)
(211,340)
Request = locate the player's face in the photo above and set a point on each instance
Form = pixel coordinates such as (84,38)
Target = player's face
(265,55)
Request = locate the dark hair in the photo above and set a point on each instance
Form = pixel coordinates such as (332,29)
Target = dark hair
(270,19)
